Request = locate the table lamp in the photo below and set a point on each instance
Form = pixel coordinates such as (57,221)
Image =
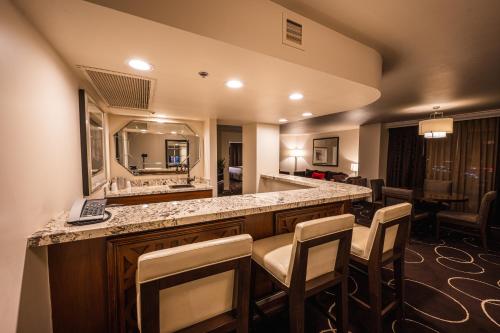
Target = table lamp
(296,153)
(355,168)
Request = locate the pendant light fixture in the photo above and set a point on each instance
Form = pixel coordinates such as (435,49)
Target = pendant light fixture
(436,126)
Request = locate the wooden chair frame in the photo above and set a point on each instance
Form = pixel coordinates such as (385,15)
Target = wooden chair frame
(235,319)
(299,290)
(374,265)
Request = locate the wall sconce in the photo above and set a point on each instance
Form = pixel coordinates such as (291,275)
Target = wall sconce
(296,153)
(355,168)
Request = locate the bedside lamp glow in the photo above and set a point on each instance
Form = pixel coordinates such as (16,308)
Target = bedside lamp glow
(355,168)
(296,153)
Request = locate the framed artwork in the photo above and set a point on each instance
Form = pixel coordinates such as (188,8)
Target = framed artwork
(326,151)
(92,144)
(320,155)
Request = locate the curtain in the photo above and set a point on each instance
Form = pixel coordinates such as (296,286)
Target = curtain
(235,154)
(406,159)
(467,158)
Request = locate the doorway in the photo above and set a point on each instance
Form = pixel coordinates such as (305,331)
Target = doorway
(229,160)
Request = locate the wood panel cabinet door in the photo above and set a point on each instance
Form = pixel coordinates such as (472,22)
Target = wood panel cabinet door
(286,221)
(123,253)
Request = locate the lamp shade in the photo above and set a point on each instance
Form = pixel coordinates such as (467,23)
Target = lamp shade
(355,167)
(435,128)
(297,153)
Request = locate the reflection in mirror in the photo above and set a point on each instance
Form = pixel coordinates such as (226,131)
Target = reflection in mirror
(326,151)
(96,123)
(149,147)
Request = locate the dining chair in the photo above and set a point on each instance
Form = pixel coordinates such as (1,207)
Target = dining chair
(468,223)
(302,264)
(375,247)
(200,287)
(376,186)
(394,195)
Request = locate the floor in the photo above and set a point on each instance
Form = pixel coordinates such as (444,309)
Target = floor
(235,188)
(451,286)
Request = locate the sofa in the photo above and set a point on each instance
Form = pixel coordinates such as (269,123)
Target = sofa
(326,175)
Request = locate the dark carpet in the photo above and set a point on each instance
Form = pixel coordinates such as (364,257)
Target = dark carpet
(451,286)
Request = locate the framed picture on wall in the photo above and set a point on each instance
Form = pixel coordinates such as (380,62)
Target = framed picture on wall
(326,151)
(320,155)
(92,144)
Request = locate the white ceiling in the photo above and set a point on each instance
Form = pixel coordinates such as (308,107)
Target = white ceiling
(90,35)
(435,52)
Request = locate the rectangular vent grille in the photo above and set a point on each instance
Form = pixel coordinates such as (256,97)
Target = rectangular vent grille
(121,90)
(293,32)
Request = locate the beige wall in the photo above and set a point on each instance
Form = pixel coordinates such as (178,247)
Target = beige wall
(348,150)
(41,176)
(260,154)
(210,152)
(116,122)
(369,150)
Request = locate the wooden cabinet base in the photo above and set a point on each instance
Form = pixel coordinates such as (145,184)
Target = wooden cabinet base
(93,281)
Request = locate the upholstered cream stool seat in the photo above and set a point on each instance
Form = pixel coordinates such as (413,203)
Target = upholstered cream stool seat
(273,254)
(374,247)
(200,287)
(306,262)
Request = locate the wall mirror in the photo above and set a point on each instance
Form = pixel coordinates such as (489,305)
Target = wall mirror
(153,147)
(326,151)
(92,144)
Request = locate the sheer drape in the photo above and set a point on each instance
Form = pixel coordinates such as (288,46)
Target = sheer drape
(467,158)
(406,159)
(235,154)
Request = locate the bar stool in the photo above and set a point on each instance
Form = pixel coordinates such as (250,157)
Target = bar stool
(200,287)
(302,264)
(384,242)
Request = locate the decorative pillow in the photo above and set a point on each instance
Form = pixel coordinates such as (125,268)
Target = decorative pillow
(309,173)
(329,175)
(318,175)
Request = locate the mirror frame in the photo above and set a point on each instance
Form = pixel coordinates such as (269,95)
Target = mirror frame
(337,157)
(156,172)
(91,183)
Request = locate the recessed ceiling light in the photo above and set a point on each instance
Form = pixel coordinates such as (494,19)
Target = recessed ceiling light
(173,132)
(140,65)
(234,84)
(296,96)
(283,120)
(307,114)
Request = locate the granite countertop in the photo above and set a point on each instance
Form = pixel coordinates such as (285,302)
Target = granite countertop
(155,189)
(129,219)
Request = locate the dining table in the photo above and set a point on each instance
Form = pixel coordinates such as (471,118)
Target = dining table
(439,197)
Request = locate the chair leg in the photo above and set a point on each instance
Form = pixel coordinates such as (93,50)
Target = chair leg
(342,307)
(296,313)
(399,278)
(375,296)
(484,240)
(253,274)
(409,232)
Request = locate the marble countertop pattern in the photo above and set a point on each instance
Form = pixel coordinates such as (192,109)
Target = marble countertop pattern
(155,189)
(137,218)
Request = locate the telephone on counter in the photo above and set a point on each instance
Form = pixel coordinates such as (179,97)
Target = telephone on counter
(86,211)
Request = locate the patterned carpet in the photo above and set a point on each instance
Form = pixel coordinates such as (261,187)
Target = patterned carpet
(451,286)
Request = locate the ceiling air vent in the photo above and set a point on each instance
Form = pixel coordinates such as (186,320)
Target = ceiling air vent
(292,32)
(119,90)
